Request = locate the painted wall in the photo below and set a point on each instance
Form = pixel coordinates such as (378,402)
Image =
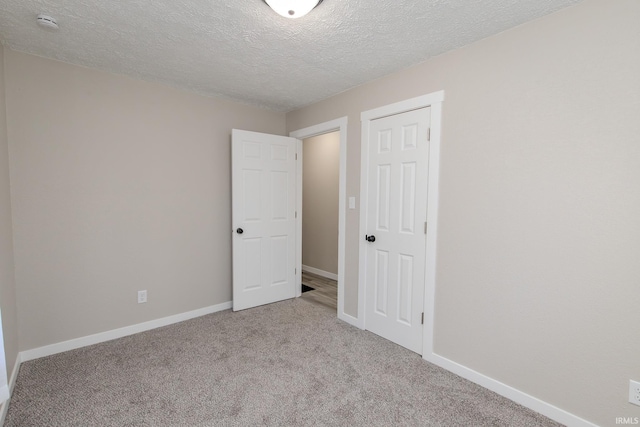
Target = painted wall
(321,172)
(7,281)
(538,254)
(118,185)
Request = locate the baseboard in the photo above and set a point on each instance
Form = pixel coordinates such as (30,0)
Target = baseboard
(319,272)
(509,392)
(12,383)
(4,393)
(118,333)
(353,321)
(496,386)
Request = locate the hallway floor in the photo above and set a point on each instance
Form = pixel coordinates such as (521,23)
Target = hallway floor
(325,290)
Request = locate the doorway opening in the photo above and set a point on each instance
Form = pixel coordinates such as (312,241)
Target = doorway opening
(333,133)
(320,185)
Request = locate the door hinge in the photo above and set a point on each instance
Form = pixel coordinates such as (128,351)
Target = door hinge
(428,134)
(296,156)
(422,322)
(295,271)
(296,216)
(425,227)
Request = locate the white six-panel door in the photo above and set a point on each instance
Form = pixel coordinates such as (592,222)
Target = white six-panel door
(263,218)
(396,217)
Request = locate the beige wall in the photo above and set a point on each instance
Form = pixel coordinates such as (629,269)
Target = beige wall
(7,282)
(538,254)
(118,185)
(321,172)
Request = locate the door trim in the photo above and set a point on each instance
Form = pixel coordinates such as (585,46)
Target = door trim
(340,125)
(434,101)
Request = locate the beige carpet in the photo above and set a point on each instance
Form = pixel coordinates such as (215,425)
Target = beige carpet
(291,363)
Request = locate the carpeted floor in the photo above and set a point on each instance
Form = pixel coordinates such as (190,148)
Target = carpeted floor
(291,363)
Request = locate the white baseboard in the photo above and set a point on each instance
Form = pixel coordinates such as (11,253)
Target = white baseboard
(319,272)
(353,321)
(4,393)
(48,350)
(12,383)
(502,389)
(118,333)
(509,392)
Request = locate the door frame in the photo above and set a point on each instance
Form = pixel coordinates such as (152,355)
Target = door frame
(340,125)
(434,101)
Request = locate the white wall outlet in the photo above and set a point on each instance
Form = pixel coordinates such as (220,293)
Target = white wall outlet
(634,392)
(142,297)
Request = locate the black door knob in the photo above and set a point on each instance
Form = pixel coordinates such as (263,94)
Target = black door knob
(371,238)
(239,231)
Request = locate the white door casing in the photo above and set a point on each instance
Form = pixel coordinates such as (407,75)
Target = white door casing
(435,102)
(396,215)
(263,218)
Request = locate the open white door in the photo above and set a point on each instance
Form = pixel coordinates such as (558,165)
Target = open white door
(263,218)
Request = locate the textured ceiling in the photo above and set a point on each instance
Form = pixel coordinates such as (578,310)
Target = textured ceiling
(242,50)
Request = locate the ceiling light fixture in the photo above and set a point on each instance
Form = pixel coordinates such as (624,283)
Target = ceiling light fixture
(292,8)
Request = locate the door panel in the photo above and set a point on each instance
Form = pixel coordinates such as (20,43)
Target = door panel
(396,213)
(263,201)
(381,281)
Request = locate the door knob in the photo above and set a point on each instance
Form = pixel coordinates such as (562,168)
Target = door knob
(239,231)
(371,238)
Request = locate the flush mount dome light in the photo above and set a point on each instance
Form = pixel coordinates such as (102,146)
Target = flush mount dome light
(292,8)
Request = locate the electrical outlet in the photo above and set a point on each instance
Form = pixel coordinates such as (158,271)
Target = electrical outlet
(142,297)
(634,392)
